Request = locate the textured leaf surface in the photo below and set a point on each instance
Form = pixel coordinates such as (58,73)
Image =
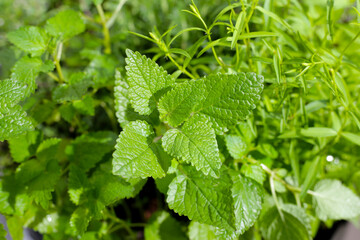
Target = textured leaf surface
(195,143)
(33,40)
(236,146)
(254,171)
(121,99)
(332,200)
(73,90)
(134,157)
(274,228)
(145,79)
(24,146)
(65,24)
(202,198)
(200,231)
(248,196)
(162,226)
(224,99)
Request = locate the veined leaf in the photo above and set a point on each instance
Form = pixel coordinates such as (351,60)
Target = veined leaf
(202,198)
(200,231)
(24,146)
(236,145)
(248,196)
(195,143)
(73,90)
(273,227)
(134,157)
(121,98)
(224,99)
(145,79)
(332,200)
(33,40)
(66,24)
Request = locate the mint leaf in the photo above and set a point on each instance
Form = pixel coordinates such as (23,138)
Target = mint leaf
(78,183)
(121,98)
(236,145)
(80,219)
(134,157)
(332,200)
(66,24)
(162,226)
(254,171)
(145,79)
(25,72)
(224,99)
(89,149)
(202,198)
(13,122)
(13,198)
(3,232)
(33,40)
(273,227)
(248,196)
(200,231)
(24,146)
(40,175)
(85,106)
(195,143)
(74,90)
(11,92)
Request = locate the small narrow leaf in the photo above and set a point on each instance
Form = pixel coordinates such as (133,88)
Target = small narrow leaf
(318,132)
(238,28)
(355,138)
(134,157)
(195,143)
(332,200)
(145,79)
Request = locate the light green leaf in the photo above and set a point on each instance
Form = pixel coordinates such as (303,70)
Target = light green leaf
(236,146)
(145,79)
(354,138)
(66,24)
(134,157)
(15,225)
(200,231)
(74,90)
(162,226)
(248,196)
(13,122)
(224,99)
(11,92)
(33,40)
(23,147)
(273,227)
(254,171)
(300,214)
(3,232)
(77,182)
(89,149)
(202,198)
(121,98)
(80,219)
(13,198)
(332,200)
(238,28)
(318,132)
(85,106)
(195,143)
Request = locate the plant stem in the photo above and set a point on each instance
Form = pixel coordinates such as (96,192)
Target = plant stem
(57,58)
(107,43)
(180,67)
(112,19)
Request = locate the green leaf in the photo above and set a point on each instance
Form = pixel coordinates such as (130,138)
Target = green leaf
(78,183)
(89,149)
(254,171)
(332,200)
(24,146)
(354,138)
(248,196)
(195,143)
(238,28)
(318,132)
(236,145)
(74,90)
(121,98)
(66,24)
(134,157)
(33,40)
(25,72)
(13,198)
(202,198)
(85,106)
(13,122)
(15,225)
(41,175)
(162,226)
(3,232)
(224,99)
(11,92)
(145,79)
(200,231)
(80,220)
(273,227)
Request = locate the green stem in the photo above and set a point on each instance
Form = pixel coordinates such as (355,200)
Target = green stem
(107,42)
(57,58)
(179,67)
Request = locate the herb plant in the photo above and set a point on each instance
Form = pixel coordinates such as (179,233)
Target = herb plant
(243,124)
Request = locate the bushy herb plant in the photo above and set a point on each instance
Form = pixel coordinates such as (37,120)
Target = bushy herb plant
(240,123)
